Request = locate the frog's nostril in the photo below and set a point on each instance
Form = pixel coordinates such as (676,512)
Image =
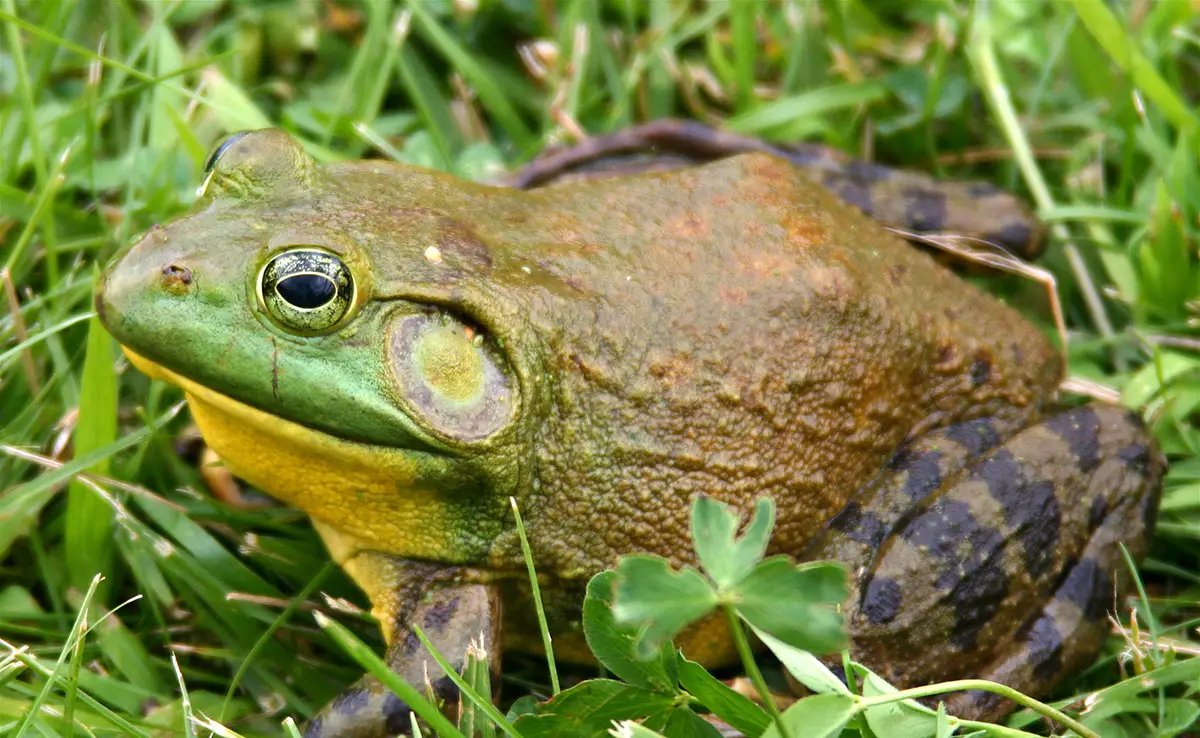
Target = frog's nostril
(176,278)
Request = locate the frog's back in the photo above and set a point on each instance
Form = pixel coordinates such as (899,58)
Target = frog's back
(735,330)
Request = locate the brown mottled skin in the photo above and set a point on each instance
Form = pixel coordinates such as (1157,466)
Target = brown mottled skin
(732,329)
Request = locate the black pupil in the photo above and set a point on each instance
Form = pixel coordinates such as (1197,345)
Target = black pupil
(212,160)
(306,291)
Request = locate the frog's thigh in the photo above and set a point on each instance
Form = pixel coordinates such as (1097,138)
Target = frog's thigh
(453,617)
(1007,567)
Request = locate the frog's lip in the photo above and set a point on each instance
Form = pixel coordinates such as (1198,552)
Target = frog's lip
(248,413)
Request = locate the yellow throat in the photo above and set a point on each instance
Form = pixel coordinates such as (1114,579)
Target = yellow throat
(362,497)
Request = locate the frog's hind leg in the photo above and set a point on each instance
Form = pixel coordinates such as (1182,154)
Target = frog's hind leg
(978,557)
(1068,632)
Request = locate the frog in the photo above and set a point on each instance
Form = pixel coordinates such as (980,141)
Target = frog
(405,355)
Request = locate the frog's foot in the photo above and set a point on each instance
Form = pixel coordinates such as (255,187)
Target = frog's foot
(997,559)
(910,201)
(454,618)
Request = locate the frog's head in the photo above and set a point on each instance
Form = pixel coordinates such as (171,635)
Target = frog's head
(338,341)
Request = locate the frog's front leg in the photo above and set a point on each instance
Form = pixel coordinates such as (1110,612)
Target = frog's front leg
(998,559)
(452,608)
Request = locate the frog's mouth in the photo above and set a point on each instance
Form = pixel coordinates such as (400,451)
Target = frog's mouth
(381,498)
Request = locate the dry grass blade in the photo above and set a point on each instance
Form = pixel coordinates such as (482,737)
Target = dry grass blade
(995,257)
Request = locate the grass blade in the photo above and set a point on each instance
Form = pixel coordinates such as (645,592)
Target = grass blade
(89,547)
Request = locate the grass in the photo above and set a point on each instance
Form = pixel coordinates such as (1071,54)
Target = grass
(108,109)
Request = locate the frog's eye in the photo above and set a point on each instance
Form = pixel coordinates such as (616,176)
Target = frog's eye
(451,376)
(216,154)
(306,291)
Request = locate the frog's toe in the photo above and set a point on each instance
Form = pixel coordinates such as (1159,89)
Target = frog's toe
(1007,569)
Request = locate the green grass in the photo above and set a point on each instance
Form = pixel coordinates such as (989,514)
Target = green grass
(107,110)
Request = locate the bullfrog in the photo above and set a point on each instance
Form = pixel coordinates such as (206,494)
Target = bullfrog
(398,353)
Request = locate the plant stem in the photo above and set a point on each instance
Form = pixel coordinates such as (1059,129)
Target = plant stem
(982,684)
(982,56)
(756,677)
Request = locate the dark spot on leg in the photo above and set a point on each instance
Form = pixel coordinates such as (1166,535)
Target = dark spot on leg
(981,369)
(970,559)
(1015,236)
(1040,528)
(948,531)
(1045,646)
(852,191)
(924,474)
(867,171)
(446,689)
(1136,457)
(1089,587)
(976,597)
(412,644)
(1135,419)
(1002,475)
(1029,507)
(976,436)
(1018,355)
(896,273)
(804,155)
(926,210)
(950,313)
(881,600)
(983,703)
(440,614)
(1098,512)
(1150,513)
(315,727)
(1080,429)
(859,525)
(396,714)
(982,189)
(350,701)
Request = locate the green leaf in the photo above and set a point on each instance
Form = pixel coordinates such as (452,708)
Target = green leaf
(1114,36)
(615,646)
(944,728)
(1154,377)
(660,601)
(727,704)
(89,530)
(906,719)
(807,668)
(589,708)
(779,118)
(819,716)
(524,705)
(796,604)
(1181,671)
(724,557)
(683,723)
